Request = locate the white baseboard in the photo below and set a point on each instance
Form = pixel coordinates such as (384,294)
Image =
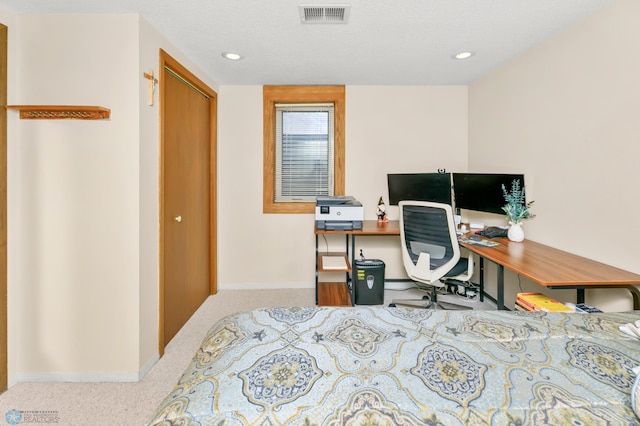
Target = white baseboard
(398,285)
(123,377)
(395,285)
(263,286)
(148,366)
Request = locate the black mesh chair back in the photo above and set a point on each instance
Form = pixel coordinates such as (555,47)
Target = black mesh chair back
(426,229)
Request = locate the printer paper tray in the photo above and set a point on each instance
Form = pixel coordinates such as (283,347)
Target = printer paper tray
(335,225)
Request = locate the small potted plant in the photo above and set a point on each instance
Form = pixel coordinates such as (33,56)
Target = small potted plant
(517,210)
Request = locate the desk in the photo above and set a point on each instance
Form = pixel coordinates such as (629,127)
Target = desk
(544,265)
(552,268)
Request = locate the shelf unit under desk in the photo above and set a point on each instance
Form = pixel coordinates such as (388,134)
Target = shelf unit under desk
(333,293)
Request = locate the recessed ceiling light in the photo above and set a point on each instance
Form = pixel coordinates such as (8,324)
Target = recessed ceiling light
(463,55)
(232,56)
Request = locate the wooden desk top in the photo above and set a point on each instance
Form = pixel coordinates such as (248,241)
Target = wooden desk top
(552,267)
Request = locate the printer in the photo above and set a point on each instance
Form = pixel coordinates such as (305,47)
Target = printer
(341,212)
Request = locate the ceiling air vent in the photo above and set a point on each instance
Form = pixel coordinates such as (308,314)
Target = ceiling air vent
(328,14)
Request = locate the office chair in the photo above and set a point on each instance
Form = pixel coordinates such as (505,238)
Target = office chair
(430,252)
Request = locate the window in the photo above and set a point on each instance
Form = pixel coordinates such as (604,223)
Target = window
(303,146)
(304,152)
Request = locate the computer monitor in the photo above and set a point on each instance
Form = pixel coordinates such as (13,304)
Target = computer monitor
(482,191)
(434,187)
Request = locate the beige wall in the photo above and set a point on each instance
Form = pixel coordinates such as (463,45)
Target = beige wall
(388,129)
(77,263)
(566,114)
(83,202)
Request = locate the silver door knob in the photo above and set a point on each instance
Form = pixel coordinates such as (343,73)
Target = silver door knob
(178,219)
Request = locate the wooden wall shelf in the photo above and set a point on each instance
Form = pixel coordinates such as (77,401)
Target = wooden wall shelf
(58,112)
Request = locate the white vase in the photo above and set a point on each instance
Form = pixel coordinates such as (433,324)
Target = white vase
(515,233)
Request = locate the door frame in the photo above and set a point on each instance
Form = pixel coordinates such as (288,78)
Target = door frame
(166,61)
(4,367)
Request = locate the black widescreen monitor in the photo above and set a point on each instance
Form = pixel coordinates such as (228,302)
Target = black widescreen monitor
(482,191)
(434,187)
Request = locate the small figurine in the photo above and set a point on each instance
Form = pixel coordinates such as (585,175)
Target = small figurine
(382,212)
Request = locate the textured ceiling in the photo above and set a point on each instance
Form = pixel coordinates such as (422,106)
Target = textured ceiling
(385,42)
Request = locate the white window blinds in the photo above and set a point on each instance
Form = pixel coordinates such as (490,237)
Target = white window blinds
(304,152)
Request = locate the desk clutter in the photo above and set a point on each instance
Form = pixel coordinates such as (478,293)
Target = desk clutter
(334,263)
(493,232)
(477,241)
(541,302)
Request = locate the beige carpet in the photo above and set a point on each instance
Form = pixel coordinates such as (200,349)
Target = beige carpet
(96,404)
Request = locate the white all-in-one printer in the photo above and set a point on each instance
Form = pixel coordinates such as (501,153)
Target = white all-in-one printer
(339,213)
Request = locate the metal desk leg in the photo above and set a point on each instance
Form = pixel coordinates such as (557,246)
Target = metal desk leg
(500,302)
(317,269)
(350,280)
(635,293)
(481,270)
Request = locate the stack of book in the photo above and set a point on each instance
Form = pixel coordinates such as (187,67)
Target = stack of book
(540,302)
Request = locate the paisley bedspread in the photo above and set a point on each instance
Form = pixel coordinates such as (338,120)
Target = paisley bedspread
(400,366)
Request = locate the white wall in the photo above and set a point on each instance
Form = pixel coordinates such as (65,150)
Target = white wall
(83,199)
(388,129)
(566,114)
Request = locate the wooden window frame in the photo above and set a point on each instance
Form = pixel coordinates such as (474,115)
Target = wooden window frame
(300,94)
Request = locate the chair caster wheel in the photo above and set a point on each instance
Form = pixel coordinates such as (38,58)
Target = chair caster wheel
(392,305)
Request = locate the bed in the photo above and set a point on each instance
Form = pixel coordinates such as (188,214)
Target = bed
(374,365)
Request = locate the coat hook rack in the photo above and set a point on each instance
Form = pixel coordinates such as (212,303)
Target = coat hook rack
(152,84)
(52,112)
